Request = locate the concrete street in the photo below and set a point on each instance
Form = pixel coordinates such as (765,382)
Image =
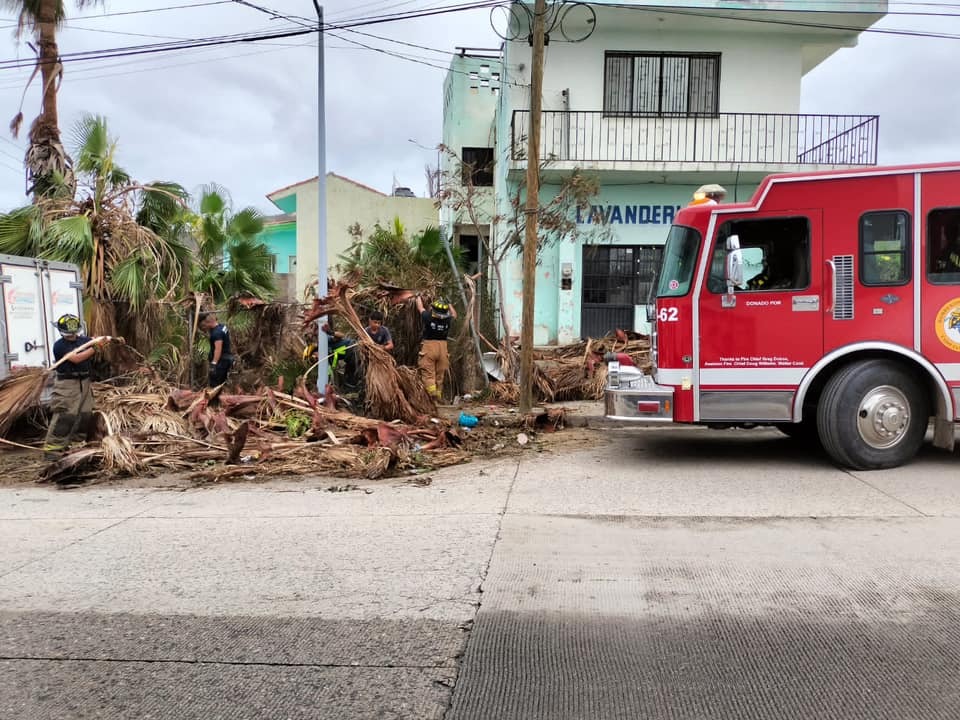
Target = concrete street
(669,573)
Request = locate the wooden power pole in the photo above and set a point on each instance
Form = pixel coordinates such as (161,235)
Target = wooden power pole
(532,208)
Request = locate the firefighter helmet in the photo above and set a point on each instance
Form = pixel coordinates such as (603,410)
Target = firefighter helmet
(68,324)
(440,306)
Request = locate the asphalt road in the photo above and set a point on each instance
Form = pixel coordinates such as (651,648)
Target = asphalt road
(652,574)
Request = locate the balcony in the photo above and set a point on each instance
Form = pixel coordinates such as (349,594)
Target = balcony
(756,143)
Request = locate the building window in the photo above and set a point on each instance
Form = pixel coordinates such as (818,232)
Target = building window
(661,84)
(470,250)
(619,274)
(943,241)
(885,248)
(273,263)
(775,251)
(477,166)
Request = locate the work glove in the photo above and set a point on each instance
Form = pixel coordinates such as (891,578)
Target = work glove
(213,366)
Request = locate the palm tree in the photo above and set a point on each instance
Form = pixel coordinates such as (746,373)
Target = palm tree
(230,259)
(116,230)
(49,168)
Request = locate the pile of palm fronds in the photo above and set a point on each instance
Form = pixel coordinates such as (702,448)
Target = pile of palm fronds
(148,426)
(19,393)
(571,372)
(388,393)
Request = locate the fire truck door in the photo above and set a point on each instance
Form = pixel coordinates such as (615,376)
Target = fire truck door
(758,339)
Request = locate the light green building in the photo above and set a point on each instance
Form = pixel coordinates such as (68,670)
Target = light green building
(654,100)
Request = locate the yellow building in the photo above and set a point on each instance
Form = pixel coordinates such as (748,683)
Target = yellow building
(348,203)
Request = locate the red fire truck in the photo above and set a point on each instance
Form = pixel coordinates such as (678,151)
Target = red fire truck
(828,305)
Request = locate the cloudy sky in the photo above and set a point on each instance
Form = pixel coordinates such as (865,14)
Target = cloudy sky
(245,116)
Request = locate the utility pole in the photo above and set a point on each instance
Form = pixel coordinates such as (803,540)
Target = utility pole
(532,207)
(322,350)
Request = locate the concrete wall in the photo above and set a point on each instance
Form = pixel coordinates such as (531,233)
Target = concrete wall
(348,203)
(470,96)
(281,238)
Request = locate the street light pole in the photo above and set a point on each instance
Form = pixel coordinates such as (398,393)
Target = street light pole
(322,350)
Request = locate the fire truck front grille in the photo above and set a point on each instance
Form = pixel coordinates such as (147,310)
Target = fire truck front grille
(843,304)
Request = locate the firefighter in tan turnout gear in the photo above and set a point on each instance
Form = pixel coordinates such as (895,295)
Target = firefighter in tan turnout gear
(72,401)
(434,360)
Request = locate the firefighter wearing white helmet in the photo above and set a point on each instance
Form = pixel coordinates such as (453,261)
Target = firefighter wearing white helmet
(72,400)
(711,194)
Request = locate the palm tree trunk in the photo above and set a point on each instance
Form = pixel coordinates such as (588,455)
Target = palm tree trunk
(47,161)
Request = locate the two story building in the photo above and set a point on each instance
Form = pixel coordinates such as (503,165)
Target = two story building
(351,205)
(656,101)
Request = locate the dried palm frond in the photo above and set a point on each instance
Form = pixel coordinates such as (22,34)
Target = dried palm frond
(505,392)
(384,395)
(415,392)
(19,393)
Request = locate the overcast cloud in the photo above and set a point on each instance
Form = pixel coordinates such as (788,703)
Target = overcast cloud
(245,115)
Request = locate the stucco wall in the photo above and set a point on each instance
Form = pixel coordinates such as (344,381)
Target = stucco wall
(282,241)
(758,73)
(349,203)
(469,108)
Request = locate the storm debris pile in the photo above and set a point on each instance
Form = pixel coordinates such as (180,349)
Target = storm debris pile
(573,372)
(149,426)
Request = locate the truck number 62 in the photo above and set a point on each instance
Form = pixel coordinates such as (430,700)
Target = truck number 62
(668,314)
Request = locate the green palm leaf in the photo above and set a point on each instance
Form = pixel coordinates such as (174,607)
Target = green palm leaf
(21,231)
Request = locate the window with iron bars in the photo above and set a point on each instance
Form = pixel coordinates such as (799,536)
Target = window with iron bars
(661,84)
(618,274)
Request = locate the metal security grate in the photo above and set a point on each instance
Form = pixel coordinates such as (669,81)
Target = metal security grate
(616,279)
(843,282)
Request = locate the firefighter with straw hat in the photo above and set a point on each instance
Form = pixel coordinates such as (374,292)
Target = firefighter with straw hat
(711,194)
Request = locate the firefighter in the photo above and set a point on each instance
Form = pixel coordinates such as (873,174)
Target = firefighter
(72,401)
(434,360)
(711,194)
(760,281)
(344,364)
(221,357)
(949,262)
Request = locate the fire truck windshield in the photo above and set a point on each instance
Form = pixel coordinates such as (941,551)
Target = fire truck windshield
(679,261)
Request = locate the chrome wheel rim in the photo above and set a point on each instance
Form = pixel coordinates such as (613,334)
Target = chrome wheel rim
(883,417)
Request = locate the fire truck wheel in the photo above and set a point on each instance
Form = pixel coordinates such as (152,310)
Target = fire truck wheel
(872,415)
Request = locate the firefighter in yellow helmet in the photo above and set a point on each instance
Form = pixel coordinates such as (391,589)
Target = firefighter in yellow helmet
(72,399)
(434,361)
(711,194)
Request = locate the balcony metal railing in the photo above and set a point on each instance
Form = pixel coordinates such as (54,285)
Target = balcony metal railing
(734,138)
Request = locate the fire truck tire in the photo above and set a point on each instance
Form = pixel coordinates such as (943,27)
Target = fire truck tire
(872,415)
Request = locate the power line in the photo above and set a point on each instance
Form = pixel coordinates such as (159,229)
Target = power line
(144,11)
(137,71)
(417,59)
(793,23)
(240,37)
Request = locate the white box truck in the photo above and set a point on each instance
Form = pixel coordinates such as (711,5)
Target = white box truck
(35,293)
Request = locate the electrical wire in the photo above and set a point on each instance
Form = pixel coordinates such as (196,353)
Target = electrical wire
(144,11)
(791,23)
(128,51)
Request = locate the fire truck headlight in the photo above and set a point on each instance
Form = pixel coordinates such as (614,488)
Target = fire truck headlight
(613,374)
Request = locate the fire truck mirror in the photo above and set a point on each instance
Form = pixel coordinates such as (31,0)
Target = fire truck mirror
(734,269)
(733,242)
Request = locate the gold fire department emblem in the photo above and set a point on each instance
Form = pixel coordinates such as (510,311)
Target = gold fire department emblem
(948,324)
